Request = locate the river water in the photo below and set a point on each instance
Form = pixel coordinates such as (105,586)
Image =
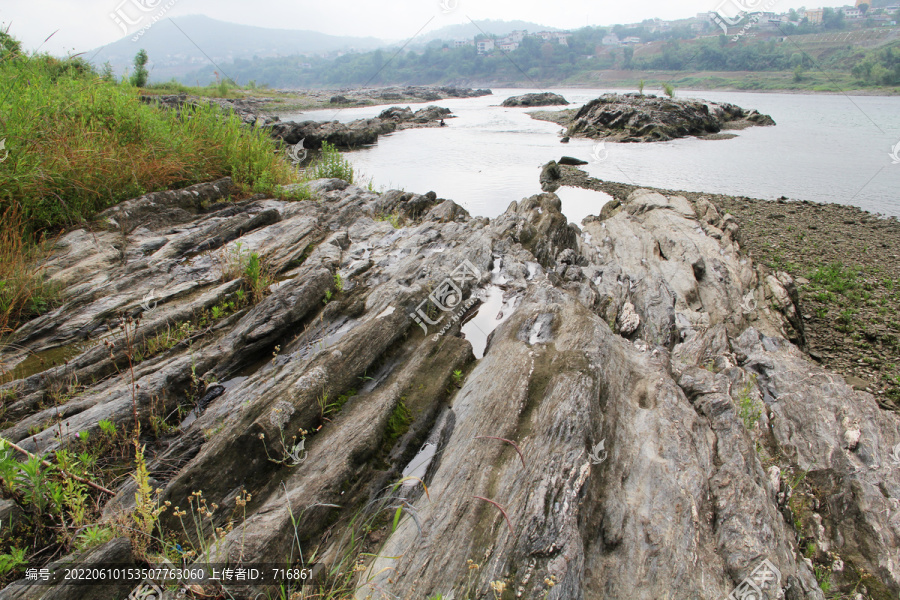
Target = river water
(825,148)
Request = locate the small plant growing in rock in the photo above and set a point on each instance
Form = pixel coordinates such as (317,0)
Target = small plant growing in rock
(750,410)
(331,164)
(641,87)
(338,282)
(669,89)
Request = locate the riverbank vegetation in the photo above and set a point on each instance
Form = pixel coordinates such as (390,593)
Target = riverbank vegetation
(799,58)
(76,142)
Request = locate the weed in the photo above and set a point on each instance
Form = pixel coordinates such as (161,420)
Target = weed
(92,537)
(836,277)
(237,262)
(331,164)
(823,577)
(106,145)
(24,292)
(750,409)
(393,219)
(398,422)
(338,282)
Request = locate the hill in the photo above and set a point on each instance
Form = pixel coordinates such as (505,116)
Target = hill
(173,54)
(466,31)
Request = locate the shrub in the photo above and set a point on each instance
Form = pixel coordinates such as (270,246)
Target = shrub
(331,164)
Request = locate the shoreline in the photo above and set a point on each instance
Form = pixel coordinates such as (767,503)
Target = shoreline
(849,313)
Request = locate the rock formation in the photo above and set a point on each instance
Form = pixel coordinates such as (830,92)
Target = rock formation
(361,131)
(542,99)
(638,118)
(638,427)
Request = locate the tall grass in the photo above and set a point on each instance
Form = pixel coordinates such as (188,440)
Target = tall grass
(78,144)
(23,290)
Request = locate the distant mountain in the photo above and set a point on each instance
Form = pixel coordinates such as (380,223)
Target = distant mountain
(466,31)
(175,52)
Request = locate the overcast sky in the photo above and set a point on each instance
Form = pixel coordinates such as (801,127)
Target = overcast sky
(87,24)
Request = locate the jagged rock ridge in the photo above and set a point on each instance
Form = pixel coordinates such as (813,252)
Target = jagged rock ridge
(646,334)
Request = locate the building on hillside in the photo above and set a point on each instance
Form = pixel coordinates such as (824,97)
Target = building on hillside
(562,37)
(485,46)
(660,26)
(815,15)
(517,36)
(630,41)
(611,40)
(851,12)
(463,43)
(508,46)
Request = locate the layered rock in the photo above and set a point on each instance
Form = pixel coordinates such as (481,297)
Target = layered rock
(638,427)
(360,132)
(639,118)
(541,99)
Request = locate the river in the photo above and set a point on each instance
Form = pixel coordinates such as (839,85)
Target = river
(825,148)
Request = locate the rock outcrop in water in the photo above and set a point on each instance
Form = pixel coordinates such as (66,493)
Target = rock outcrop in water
(638,118)
(542,99)
(360,132)
(638,427)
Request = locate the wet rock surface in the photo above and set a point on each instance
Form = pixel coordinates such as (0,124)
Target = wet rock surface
(542,99)
(667,437)
(639,118)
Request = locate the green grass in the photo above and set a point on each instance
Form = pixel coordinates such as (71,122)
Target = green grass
(79,144)
(836,278)
(224,89)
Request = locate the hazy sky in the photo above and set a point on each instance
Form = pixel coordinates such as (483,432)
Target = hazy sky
(87,24)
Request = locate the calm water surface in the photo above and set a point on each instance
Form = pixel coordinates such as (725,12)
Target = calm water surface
(825,148)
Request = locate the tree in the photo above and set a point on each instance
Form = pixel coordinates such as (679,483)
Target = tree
(628,57)
(107,74)
(140,75)
(864,8)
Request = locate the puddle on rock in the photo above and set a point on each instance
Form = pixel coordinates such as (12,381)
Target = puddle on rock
(47,359)
(418,466)
(492,312)
(578,203)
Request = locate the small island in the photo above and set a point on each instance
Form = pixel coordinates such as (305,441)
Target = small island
(649,118)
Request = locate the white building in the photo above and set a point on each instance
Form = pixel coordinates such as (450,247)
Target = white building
(485,46)
(508,46)
(517,36)
(611,40)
